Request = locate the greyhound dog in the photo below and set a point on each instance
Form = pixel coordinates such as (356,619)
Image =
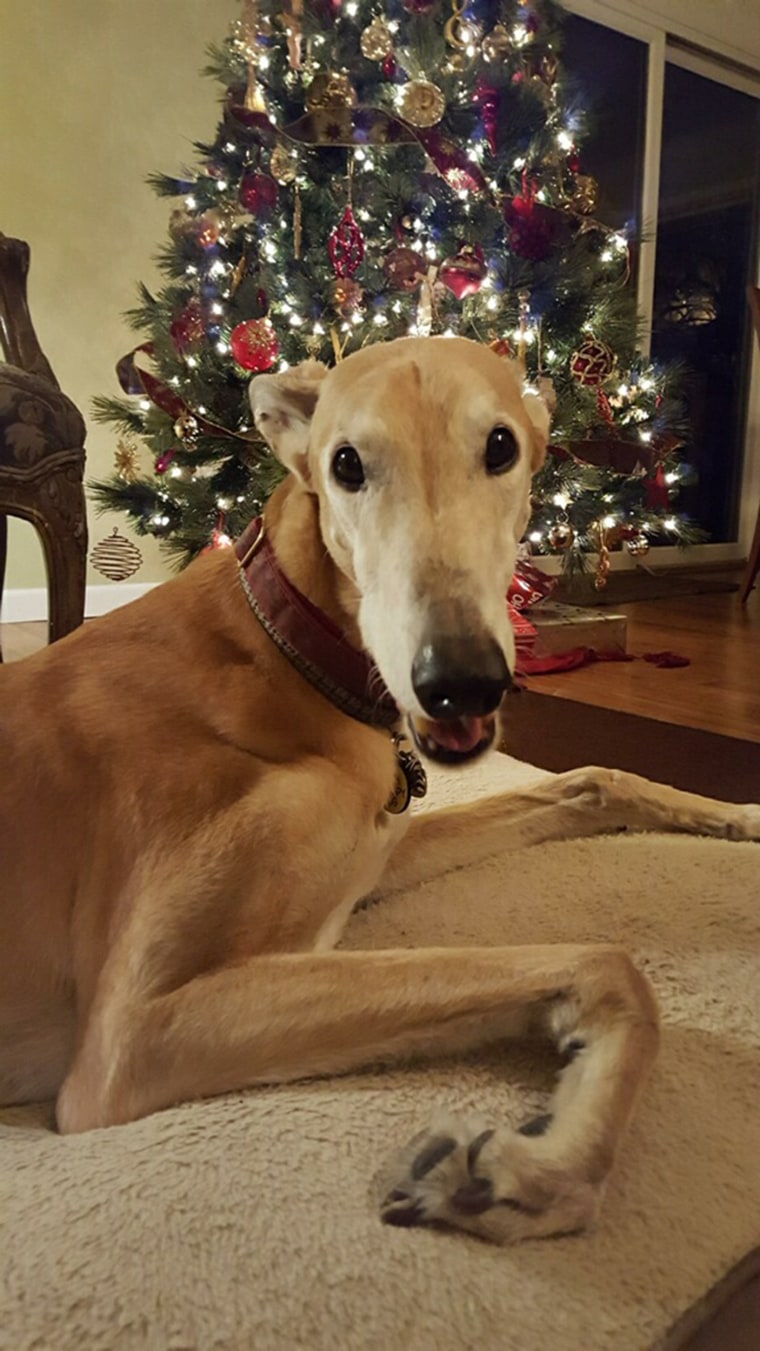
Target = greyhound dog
(198,788)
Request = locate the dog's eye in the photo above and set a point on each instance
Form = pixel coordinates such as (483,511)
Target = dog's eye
(501,450)
(348,469)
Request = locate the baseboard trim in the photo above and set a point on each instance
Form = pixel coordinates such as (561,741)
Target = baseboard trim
(30,603)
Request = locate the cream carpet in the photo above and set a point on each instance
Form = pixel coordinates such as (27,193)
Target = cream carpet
(250,1222)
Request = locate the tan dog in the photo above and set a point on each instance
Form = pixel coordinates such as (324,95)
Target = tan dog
(186,822)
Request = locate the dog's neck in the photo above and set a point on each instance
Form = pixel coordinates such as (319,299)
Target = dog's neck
(292,522)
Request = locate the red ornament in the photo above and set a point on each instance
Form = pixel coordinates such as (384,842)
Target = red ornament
(502,347)
(488,99)
(345,245)
(419,6)
(254,344)
(206,230)
(404,269)
(389,67)
(188,328)
(605,407)
(532,227)
(593,363)
(656,491)
(219,537)
(464,273)
(164,460)
(258,194)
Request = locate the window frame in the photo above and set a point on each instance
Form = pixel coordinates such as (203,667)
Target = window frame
(664,48)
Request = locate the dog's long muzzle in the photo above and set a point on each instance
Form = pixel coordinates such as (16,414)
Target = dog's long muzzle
(459,682)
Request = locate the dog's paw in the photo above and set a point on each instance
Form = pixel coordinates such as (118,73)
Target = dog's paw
(743,822)
(499,1184)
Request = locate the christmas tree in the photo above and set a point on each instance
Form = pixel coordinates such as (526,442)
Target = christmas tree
(381,168)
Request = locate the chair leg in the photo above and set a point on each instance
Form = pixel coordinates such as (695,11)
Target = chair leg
(66,560)
(3,556)
(753,564)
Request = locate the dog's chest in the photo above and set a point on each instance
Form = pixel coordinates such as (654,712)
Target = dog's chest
(369,864)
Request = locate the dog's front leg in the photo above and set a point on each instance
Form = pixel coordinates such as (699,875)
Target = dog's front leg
(582,802)
(277,1018)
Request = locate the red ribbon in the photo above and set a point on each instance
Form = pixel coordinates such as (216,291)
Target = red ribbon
(135,380)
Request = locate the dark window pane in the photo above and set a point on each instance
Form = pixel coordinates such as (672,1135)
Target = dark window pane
(608,71)
(705,259)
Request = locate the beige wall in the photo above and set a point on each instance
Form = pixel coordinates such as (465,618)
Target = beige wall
(95,94)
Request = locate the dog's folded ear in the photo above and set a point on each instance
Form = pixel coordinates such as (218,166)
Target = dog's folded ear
(539,411)
(283,406)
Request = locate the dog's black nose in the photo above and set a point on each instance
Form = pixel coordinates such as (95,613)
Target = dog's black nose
(454,677)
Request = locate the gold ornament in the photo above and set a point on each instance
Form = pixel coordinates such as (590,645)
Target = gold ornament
(603,562)
(548,69)
(292,22)
(560,535)
(313,344)
(126,462)
(116,557)
(180,222)
(458,60)
(376,41)
(639,546)
(585,198)
(421,103)
(186,428)
(458,31)
(297,223)
(347,295)
(330,89)
(282,165)
(497,44)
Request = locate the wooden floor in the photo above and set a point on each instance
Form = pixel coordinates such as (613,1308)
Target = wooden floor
(719,691)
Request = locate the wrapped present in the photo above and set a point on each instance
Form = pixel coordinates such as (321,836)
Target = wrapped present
(529,586)
(524,631)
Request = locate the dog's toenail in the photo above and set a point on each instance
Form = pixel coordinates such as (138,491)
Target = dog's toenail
(433,1153)
(539,1125)
(475,1148)
(474,1197)
(403,1219)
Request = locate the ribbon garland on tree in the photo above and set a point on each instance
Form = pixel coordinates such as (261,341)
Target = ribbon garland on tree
(134,379)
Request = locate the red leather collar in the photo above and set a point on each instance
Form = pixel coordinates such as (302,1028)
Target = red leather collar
(308,637)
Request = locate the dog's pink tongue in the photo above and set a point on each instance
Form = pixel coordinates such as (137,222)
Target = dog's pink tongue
(459,734)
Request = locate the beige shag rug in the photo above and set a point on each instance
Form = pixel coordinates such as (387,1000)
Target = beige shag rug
(250,1222)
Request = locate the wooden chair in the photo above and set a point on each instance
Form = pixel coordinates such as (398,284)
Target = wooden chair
(753,562)
(42,453)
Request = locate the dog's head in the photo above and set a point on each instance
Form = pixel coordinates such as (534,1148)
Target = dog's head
(421,453)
